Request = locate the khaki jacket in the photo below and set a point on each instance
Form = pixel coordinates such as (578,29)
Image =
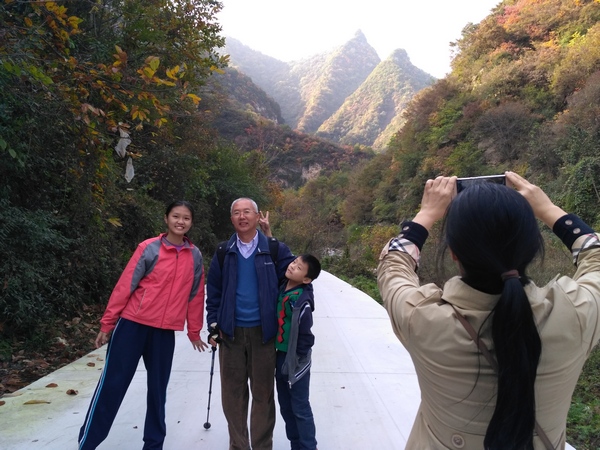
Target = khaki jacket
(457,384)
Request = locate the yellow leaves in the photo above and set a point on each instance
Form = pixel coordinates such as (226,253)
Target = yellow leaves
(153,62)
(28,22)
(164,82)
(60,12)
(121,58)
(36,402)
(139,113)
(172,73)
(148,72)
(115,221)
(74,21)
(160,122)
(194,98)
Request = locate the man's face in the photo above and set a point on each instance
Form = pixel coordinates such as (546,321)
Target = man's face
(243,216)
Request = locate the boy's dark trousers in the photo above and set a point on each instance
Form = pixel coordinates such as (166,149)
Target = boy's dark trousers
(295,409)
(129,342)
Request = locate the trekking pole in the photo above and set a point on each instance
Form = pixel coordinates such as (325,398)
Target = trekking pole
(212,370)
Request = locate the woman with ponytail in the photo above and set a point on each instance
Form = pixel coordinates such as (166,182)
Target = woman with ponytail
(497,357)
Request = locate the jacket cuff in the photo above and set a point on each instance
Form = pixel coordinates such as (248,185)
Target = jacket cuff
(413,232)
(569,228)
(193,336)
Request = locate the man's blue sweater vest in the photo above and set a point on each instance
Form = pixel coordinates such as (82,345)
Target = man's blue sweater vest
(247,309)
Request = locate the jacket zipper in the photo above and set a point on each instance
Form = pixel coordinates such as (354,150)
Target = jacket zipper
(171,290)
(141,301)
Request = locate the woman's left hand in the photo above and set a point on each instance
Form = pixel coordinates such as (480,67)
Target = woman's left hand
(200,345)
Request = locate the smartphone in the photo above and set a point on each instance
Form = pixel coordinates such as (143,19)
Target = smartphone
(462,183)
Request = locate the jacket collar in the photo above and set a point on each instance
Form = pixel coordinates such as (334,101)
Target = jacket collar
(307,294)
(463,296)
(263,242)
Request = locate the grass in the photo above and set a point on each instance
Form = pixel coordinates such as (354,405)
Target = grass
(583,422)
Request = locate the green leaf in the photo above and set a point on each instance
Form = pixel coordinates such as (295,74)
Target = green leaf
(3,144)
(12,153)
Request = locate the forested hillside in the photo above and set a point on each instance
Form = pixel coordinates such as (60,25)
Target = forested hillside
(242,113)
(100,128)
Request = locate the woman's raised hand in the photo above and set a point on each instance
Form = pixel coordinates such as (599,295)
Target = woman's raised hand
(542,206)
(437,196)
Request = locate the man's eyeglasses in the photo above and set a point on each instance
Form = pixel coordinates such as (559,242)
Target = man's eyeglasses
(245,212)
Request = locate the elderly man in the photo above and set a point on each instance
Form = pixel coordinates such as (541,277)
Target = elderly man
(242,290)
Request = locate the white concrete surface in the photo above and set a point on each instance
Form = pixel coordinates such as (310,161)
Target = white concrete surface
(364,390)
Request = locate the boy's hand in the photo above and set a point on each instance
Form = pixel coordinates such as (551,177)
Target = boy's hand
(265,226)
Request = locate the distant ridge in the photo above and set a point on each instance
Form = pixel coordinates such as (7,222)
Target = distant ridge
(348,95)
(326,86)
(373,113)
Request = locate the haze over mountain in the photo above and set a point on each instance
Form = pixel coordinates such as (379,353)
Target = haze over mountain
(348,95)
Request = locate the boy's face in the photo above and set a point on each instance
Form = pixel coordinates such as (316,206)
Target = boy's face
(297,271)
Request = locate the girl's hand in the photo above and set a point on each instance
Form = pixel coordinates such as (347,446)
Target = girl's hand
(199,345)
(101,339)
(437,196)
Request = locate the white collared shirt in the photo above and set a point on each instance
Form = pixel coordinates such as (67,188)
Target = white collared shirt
(246,249)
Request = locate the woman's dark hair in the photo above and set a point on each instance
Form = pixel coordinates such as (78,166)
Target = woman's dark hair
(491,229)
(188,205)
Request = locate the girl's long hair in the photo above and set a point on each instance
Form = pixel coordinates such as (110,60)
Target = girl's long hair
(491,229)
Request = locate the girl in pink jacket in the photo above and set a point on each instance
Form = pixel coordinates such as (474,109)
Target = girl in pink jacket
(160,289)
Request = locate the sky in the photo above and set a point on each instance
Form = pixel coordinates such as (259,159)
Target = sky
(294,29)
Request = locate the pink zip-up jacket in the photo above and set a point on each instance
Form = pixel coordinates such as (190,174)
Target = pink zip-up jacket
(160,287)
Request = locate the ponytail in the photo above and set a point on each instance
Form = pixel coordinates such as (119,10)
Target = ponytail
(518,347)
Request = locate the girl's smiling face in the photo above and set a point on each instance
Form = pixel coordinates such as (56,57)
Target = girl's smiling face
(179,222)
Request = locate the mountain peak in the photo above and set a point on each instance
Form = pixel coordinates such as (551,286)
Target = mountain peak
(400,58)
(359,35)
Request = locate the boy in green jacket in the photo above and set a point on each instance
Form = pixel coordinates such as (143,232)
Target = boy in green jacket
(294,343)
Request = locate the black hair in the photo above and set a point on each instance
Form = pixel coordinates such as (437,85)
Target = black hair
(491,229)
(176,203)
(314,266)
